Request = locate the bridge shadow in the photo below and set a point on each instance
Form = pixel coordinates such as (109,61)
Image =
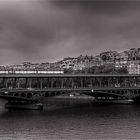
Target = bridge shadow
(136,98)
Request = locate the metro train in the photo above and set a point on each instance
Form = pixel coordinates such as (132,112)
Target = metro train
(31,72)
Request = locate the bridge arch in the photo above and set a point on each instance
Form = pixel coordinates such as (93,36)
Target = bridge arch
(11,94)
(16,94)
(105,94)
(118,92)
(36,96)
(46,94)
(122,92)
(23,94)
(135,91)
(43,94)
(29,95)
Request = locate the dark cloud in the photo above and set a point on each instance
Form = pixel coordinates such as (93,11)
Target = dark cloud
(100,6)
(43,30)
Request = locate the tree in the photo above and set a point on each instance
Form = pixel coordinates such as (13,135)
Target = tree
(68,71)
(108,69)
(122,70)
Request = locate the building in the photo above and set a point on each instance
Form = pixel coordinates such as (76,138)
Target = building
(79,66)
(67,63)
(135,53)
(86,62)
(134,67)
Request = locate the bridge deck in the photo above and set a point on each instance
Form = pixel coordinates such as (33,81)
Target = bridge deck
(92,84)
(65,75)
(69,89)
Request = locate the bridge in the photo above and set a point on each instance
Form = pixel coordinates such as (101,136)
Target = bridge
(35,87)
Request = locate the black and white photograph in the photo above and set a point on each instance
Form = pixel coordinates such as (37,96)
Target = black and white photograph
(69,69)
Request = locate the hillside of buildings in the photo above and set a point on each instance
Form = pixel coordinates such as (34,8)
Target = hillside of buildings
(108,62)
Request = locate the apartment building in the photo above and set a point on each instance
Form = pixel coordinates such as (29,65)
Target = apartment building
(134,67)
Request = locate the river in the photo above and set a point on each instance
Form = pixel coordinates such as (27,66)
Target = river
(88,121)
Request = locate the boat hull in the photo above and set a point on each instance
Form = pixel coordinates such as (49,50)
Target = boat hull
(34,106)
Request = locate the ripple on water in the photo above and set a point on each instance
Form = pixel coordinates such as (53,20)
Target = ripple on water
(79,122)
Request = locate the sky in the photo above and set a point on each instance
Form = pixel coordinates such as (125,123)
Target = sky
(49,30)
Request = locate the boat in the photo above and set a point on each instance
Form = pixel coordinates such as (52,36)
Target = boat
(32,106)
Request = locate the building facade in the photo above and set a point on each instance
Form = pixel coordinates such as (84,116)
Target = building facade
(134,67)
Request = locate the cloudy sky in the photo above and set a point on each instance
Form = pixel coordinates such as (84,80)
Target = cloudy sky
(49,30)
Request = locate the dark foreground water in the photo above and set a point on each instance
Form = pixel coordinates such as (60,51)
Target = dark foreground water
(76,122)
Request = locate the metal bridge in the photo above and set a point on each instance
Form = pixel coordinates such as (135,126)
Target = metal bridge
(34,87)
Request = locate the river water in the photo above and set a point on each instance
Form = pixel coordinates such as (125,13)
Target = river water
(88,121)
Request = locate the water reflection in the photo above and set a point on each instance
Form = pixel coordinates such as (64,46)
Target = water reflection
(77,122)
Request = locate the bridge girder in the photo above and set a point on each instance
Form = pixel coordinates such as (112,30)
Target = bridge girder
(50,85)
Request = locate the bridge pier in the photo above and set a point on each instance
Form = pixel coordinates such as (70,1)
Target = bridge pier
(5,83)
(41,83)
(30,83)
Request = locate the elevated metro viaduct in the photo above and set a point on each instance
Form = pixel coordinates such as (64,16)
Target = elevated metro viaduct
(35,87)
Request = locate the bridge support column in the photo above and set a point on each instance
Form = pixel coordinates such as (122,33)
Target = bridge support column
(100,82)
(52,83)
(91,82)
(62,83)
(72,83)
(5,83)
(18,84)
(109,82)
(81,82)
(30,83)
(41,81)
